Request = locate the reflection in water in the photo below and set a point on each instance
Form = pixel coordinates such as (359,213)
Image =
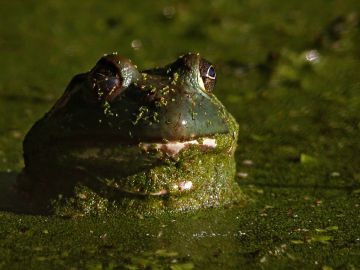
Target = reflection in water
(10,200)
(185,239)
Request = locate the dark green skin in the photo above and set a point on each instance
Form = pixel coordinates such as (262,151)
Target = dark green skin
(99,145)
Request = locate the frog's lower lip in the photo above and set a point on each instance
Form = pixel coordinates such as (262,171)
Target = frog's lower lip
(171,147)
(174,147)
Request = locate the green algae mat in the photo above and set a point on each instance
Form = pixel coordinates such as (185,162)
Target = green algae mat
(289,73)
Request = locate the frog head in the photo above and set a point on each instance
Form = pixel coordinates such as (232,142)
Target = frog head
(137,133)
(114,101)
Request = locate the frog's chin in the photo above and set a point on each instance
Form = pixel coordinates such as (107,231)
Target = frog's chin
(172,148)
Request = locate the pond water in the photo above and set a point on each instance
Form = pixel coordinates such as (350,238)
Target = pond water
(289,73)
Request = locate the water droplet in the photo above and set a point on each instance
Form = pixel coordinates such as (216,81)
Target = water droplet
(312,56)
(136,44)
(169,12)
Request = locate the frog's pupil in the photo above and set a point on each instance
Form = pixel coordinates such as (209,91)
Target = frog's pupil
(208,75)
(106,81)
(211,73)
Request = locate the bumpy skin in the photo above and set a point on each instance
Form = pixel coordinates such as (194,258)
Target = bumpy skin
(144,142)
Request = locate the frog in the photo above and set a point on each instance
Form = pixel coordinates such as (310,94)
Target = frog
(143,142)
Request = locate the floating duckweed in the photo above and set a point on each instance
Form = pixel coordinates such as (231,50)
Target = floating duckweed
(143,111)
(175,78)
(107,109)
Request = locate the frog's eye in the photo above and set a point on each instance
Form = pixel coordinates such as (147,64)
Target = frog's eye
(208,74)
(106,80)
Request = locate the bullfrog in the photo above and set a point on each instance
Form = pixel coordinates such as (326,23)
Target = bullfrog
(139,141)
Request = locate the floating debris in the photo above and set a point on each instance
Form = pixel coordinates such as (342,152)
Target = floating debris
(242,174)
(312,56)
(136,44)
(169,12)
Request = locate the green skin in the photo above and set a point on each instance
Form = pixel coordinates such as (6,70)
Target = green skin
(144,142)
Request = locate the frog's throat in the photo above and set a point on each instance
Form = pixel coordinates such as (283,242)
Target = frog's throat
(181,187)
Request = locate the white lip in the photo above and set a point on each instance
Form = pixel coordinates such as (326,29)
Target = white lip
(173,148)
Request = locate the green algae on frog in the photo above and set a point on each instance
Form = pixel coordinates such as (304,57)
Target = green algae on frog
(143,142)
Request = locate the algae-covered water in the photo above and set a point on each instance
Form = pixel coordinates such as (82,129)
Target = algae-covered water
(288,71)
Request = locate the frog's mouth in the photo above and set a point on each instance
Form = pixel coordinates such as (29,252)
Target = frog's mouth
(173,148)
(91,162)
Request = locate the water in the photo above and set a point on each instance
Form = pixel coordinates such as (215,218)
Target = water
(288,72)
